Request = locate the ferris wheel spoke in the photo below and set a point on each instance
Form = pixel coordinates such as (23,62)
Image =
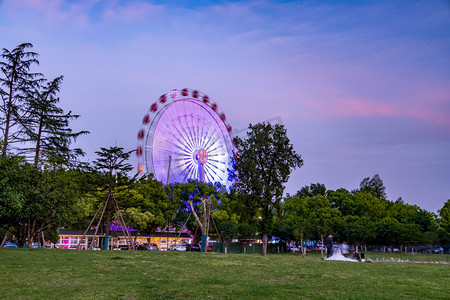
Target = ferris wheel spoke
(210,169)
(183,125)
(214,141)
(186,138)
(189,129)
(171,150)
(190,173)
(210,140)
(218,161)
(210,179)
(220,154)
(211,166)
(217,148)
(177,135)
(169,126)
(197,131)
(181,144)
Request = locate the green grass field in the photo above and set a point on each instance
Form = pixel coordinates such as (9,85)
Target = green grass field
(82,274)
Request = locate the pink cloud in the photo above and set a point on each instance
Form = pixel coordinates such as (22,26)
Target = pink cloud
(357,107)
(433,108)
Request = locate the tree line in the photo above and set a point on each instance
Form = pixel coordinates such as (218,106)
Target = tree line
(45,185)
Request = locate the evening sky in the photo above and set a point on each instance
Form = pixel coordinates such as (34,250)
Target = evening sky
(363,87)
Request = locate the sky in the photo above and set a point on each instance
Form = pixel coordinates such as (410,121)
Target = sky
(362,87)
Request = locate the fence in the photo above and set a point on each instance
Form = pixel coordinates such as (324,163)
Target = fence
(248,248)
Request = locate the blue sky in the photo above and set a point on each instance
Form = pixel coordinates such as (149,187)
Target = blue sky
(363,87)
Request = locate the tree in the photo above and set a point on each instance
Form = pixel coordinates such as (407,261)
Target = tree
(387,231)
(17,82)
(358,230)
(313,190)
(228,231)
(409,234)
(283,231)
(374,186)
(12,178)
(444,216)
(342,200)
(423,218)
(265,161)
(200,191)
(401,211)
(366,204)
(30,115)
(112,163)
(34,200)
(444,223)
(296,212)
(323,217)
(47,126)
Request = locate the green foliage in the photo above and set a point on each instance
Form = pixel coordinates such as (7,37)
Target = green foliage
(29,113)
(374,186)
(34,200)
(366,204)
(16,81)
(313,190)
(323,216)
(444,214)
(47,126)
(265,161)
(443,231)
(296,214)
(423,218)
(358,230)
(112,163)
(343,200)
(145,204)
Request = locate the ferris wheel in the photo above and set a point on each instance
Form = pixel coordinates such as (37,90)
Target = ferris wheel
(186,136)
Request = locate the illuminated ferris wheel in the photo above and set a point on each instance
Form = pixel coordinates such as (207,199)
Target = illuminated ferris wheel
(185,136)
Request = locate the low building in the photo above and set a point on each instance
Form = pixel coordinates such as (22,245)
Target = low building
(69,239)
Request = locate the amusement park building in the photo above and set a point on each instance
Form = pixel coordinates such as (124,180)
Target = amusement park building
(69,239)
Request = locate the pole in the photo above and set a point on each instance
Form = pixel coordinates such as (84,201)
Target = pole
(203,172)
(90,224)
(168,170)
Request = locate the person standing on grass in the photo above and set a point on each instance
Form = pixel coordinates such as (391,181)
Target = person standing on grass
(344,248)
(329,244)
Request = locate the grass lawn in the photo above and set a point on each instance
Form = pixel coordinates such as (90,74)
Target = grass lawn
(83,274)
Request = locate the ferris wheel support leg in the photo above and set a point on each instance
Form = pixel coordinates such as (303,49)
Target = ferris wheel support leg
(168,169)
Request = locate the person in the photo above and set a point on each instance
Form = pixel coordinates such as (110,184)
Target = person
(329,244)
(356,256)
(344,248)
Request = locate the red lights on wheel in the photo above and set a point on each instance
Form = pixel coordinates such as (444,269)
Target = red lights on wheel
(154,107)
(139,151)
(141,134)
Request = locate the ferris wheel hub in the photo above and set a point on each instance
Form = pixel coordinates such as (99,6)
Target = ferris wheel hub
(202,156)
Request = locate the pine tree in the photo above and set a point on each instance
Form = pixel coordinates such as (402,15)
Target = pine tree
(47,127)
(16,82)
